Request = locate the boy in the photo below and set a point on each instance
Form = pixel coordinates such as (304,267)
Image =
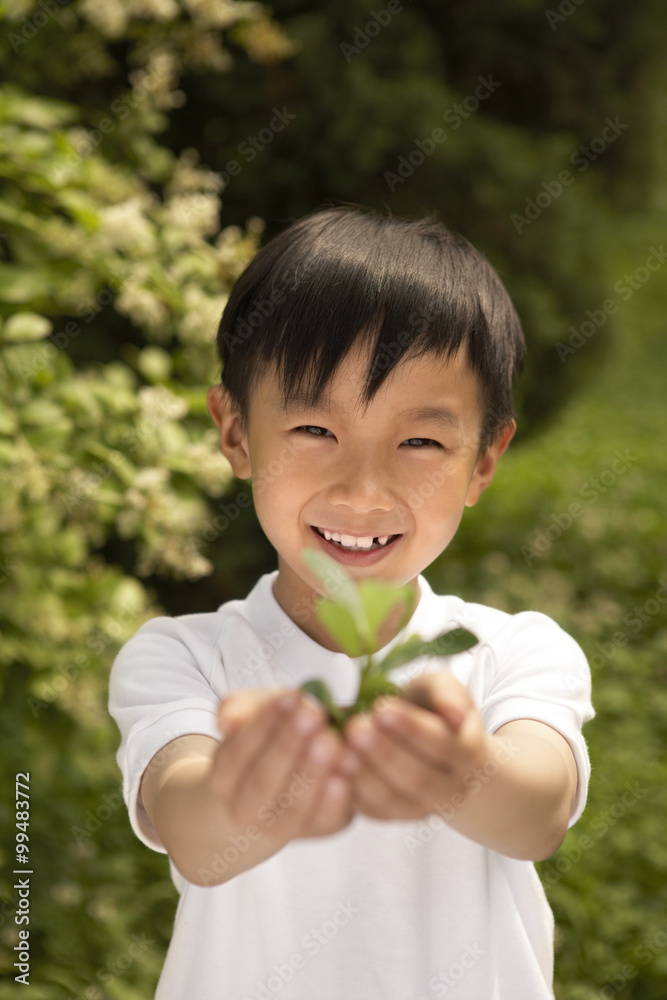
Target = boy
(367,365)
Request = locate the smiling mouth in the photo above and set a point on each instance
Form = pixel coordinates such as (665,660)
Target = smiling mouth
(376,544)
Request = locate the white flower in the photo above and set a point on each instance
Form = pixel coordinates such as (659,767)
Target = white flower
(222,13)
(188,176)
(207,465)
(110,17)
(125,226)
(29,475)
(142,306)
(201,316)
(196,212)
(157,404)
(147,481)
(162,10)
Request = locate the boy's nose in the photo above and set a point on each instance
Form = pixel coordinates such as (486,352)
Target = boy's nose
(362,482)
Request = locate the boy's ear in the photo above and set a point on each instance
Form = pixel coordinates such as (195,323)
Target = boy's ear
(233,441)
(486,465)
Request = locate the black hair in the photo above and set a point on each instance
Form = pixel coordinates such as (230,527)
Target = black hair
(339,274)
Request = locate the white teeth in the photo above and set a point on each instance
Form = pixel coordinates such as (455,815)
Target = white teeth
(350,542)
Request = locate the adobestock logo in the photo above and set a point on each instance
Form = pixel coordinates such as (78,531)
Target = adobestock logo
(47,9)
(254,144)
(581,158)
(644,953)
(267,815)
(363,36)
(635,619)
(566,8)
(312,943)
(424,830)
(260,310)
(439,985)
(572,853)
(454,116)
(591,491)
(625,288)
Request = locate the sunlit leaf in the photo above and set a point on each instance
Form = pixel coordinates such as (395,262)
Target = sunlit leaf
(374,686)
(446,644)
(401,653)
(341,625)
(379,598)
(338,584)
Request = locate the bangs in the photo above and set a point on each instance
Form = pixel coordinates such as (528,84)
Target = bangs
(399,288)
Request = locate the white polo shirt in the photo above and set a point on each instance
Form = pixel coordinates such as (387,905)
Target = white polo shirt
(382,910)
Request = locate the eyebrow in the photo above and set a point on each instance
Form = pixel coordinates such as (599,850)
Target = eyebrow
(433,414)
(437,414)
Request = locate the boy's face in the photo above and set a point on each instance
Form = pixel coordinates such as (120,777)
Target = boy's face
(363,473)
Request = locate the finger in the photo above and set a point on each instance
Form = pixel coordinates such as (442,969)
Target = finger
(334,809)
(372,796)
(429,737)
(329,806)
(238,750)
(241,706)
(391,769)
(348,761)
(441,693)
(423,733)
(276,765)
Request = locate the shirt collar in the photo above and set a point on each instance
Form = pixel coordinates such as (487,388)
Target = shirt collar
(302,657)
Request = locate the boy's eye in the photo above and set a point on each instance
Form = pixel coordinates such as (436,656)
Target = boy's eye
(428,440)
(307,427)
(313,427)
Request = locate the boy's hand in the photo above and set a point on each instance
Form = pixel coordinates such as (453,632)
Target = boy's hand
(280,767)
(421,746)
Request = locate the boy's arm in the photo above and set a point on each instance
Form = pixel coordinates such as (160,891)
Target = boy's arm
(520,800)
(204,797)
(194,826)
(512,791)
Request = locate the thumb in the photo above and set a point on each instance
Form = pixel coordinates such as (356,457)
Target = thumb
(440,693)
(245,704)
(452,714)
(229,724)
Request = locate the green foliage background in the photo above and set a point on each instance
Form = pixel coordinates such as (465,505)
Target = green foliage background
(120,237)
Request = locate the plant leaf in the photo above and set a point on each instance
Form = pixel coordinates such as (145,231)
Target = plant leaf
(402,653)
(379,598)
(455,640)
(340,624)
(373,686)
(341,588)
(407,612)
(446,644)
(334,577)
(320,690)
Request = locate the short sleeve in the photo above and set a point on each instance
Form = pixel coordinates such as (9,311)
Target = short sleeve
(540,672)
(159,689)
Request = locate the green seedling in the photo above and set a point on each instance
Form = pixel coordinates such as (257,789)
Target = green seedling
(352,614)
